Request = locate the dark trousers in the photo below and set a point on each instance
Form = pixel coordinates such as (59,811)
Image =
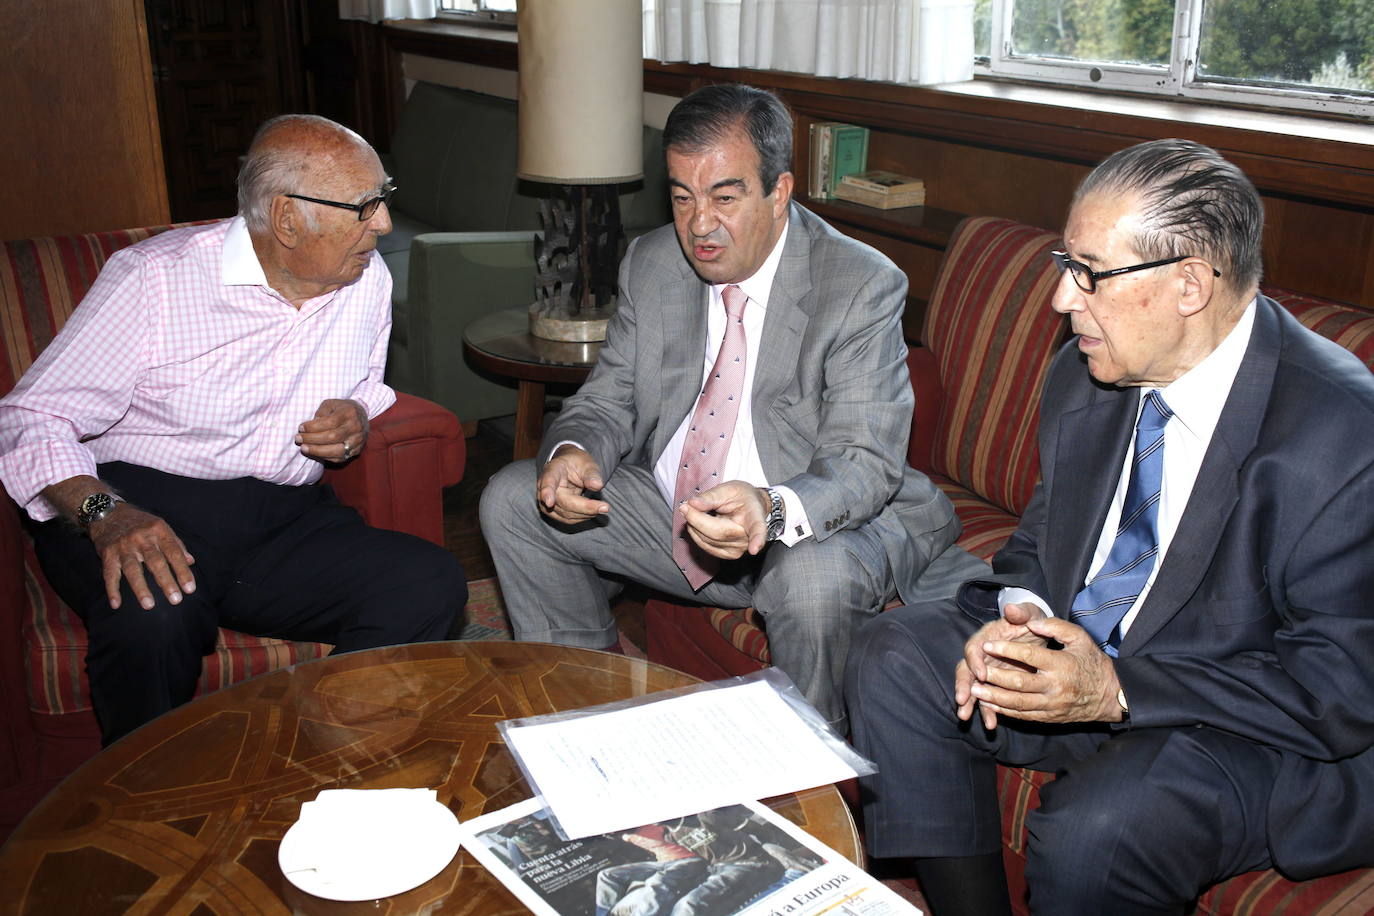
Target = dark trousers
(1137,821)
(270,560)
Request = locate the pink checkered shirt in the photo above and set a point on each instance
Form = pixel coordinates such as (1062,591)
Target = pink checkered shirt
(181,358)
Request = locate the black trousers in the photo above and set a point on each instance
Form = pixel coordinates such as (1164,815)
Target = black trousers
(270,560)
(1137,821)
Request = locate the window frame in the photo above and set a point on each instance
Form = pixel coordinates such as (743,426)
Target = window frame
(480,14)
(1179,79)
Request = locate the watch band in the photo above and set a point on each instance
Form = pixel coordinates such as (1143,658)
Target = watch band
(777,514)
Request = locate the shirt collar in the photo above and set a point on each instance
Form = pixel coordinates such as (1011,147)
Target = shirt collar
(239,265)
(1197,396)
(757,286)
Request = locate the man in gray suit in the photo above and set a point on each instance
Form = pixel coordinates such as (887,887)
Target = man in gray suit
(813,460)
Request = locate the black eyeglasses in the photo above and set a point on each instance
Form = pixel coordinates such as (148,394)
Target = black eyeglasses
(1086,278)
(365,210)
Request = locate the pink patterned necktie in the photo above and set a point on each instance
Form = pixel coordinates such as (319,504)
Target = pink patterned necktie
(708,437)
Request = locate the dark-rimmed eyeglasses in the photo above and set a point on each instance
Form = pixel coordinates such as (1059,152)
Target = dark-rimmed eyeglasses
(365,210)
(1086,278)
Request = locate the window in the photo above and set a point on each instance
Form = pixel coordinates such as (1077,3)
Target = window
(492,10)
(1315,54)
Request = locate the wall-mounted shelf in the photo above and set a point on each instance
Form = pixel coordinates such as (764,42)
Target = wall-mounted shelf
(929,226)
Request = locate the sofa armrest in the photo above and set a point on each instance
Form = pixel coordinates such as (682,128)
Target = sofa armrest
(414,449)
(454,278)
(930,394)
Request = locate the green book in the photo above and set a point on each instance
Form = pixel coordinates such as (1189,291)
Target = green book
(848,153)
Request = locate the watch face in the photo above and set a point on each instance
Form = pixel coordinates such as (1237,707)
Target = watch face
(94,507)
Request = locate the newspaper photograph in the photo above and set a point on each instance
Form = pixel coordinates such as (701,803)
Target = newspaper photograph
(739,859)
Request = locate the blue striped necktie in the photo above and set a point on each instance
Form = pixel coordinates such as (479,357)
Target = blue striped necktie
(1101,605)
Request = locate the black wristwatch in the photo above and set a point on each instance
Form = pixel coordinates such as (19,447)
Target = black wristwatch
(95,507)
(776,514)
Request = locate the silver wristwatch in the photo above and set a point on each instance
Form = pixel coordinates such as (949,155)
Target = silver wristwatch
(95,507)
(776,514)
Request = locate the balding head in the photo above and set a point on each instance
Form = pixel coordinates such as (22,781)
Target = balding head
(303,191)
(284,155)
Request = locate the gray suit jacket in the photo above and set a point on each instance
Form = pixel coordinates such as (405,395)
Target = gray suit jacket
(1261,620)
(832,400)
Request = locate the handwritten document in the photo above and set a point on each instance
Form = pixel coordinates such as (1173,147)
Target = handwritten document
(677,756)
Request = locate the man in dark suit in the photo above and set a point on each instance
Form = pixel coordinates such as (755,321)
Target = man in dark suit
(813,456)
(1181,626)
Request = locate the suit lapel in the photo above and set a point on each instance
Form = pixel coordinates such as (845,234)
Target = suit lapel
(1089,439)
(1217,489)
(784,327)
(684,343)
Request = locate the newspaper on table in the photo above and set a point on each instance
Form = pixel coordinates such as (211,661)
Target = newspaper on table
(676,752)
(738,859)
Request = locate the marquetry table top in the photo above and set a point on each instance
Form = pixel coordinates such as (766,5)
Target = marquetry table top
(185,814)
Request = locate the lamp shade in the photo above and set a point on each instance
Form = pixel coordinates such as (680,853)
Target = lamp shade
(581,91)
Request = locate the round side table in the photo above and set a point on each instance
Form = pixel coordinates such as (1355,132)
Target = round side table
(502,344)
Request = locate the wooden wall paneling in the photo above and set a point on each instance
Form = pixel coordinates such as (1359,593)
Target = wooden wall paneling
(1324,250)
(76,88)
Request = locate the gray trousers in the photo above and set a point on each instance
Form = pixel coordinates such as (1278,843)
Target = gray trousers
(558,581)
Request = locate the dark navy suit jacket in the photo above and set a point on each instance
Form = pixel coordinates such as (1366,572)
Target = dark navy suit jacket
(1261,619)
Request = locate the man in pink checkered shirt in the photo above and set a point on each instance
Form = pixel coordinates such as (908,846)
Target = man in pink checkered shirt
(168,444)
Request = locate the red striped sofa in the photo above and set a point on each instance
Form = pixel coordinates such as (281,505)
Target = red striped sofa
(415,449)
(988,338)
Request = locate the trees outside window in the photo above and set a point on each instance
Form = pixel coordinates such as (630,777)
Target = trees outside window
(1308,53)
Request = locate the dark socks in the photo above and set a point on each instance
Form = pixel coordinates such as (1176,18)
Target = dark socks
(964,885)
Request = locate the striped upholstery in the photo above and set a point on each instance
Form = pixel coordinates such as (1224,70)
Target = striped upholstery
(1350,327)
(991,329)
(986,527)
(741,629)
(41,281)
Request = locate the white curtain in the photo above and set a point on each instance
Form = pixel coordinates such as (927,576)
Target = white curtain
(377,10)
(901,41)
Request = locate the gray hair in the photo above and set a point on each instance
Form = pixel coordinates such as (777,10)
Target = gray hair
(703,118)
(1194,202)
(272,169)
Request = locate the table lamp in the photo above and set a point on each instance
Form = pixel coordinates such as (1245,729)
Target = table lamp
(581,121)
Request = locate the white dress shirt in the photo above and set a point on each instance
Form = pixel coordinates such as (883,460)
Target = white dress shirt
(1197,398)
(742,461)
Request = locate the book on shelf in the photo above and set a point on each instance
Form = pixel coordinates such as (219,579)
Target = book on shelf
(837,150)
(881,189)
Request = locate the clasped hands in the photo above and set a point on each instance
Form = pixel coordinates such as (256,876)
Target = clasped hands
(726,521)
(1008,668)
(130,540)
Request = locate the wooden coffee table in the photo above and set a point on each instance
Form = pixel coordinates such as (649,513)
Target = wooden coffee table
(501,343)
(185,814)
